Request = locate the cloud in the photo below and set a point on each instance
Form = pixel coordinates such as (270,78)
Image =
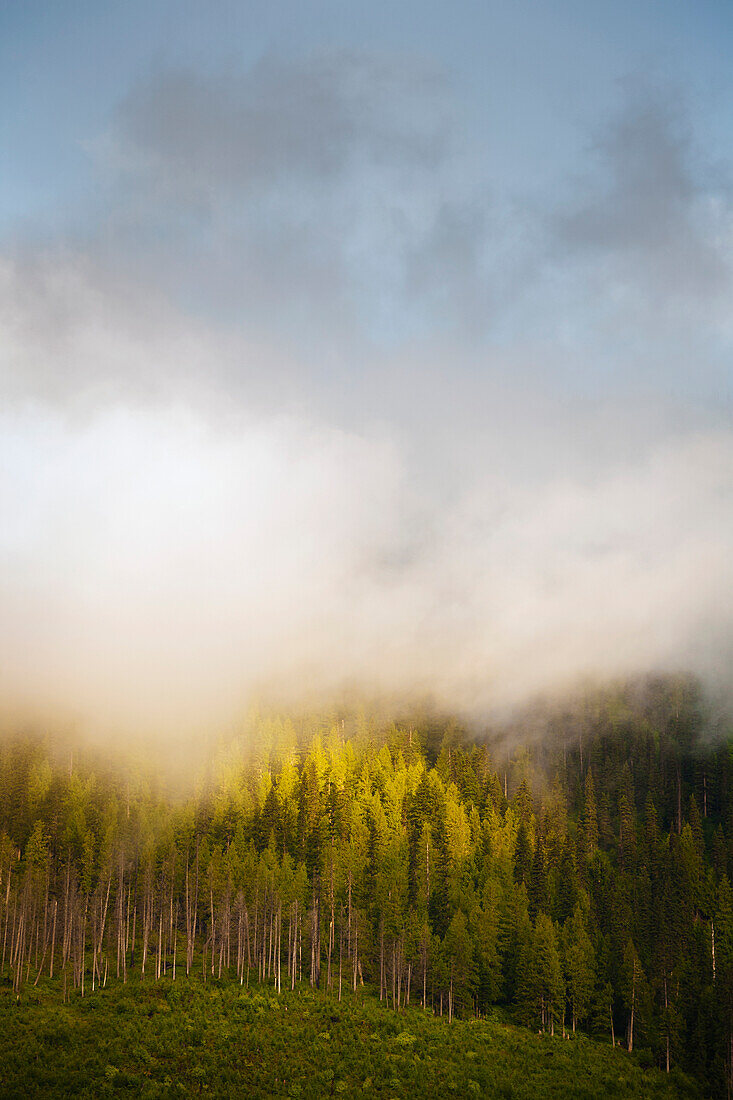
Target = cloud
(292,122)
(657,220)
(298,193)
(77,335)
(157,573)
(303,407)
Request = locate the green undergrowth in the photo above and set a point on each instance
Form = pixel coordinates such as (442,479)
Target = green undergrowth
(187,1039)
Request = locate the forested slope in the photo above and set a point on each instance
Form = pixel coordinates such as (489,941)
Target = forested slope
(572,869)
(165,1038)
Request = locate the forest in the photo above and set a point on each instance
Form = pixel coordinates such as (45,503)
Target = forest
(569,867)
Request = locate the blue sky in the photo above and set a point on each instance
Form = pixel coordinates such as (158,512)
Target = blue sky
(531,77)
(525,97)
(368,343)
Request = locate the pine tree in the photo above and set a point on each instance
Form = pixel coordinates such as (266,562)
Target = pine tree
(541,991)
(589,822)
(523,858)
(627,834)
(632,979)
(522,802)
(459,954)
(567,884)
(537,890)
(580,965)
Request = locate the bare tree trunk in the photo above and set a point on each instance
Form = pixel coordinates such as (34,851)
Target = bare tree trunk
(666,1012)
(255,955)
(53,937)
(158,960)
(341,950)
(249,952)
(171,930)
(146,929)
(7,915)
(83,942)
(134,927)
(349,918)
(213,930)
(381,959)
(279,943)
(175,942)
(330,949)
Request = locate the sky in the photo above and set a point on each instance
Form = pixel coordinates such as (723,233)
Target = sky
(381,347)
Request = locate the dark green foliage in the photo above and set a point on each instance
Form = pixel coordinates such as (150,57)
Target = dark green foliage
(585,887)
(186,1039)
(589,822)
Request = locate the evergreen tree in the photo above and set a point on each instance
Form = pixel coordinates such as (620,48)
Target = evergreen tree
(541,989)
(580,965)
(459,954)
(589,821)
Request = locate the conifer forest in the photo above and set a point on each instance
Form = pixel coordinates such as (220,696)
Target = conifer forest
(366,549)
(570,872)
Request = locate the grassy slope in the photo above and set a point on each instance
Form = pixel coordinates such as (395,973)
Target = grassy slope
(219,1040)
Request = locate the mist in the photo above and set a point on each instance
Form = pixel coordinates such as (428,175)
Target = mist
(293,416)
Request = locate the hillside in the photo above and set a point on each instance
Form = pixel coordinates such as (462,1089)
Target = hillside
(570,872)
(186,1039)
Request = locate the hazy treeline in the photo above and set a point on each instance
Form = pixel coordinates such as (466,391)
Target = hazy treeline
(582,879)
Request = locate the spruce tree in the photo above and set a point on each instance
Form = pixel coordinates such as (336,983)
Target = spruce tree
(589,821)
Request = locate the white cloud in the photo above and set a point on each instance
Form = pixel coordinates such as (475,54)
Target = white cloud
(198,500)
